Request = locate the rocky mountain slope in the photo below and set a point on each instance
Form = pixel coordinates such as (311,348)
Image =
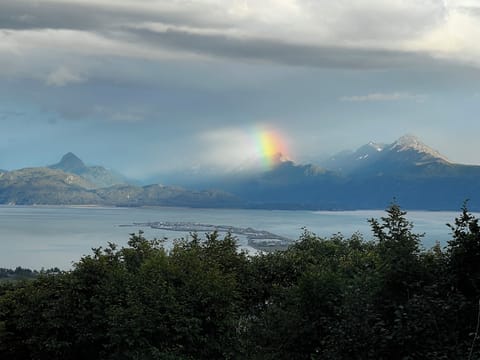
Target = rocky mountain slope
(97,175)
(53,186)
(45,186)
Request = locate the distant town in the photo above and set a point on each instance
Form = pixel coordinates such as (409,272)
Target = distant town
(258,239)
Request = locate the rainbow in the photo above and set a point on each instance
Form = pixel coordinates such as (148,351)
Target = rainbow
(271,147)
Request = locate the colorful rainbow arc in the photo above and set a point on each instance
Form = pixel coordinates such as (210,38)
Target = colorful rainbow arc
(271,147)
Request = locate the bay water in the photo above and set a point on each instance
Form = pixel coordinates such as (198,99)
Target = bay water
(49,236)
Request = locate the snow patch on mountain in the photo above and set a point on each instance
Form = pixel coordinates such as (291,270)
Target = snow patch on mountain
(411,142)
(376,146)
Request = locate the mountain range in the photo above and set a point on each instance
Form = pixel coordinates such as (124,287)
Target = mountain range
(71,182)
(417,176)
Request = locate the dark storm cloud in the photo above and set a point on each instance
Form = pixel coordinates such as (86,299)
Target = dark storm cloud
(29,14)
(215,30)
(24,15)
(281,52)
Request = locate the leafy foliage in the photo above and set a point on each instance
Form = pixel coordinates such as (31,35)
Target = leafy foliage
(335,298)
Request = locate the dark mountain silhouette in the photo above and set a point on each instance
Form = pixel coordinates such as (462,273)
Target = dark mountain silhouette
(418,176)
(348,161)
(71,163)
(97,175)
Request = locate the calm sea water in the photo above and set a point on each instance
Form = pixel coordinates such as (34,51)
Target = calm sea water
(47,236)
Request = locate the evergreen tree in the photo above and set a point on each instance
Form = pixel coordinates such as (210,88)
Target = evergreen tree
(464,253)
(398,249)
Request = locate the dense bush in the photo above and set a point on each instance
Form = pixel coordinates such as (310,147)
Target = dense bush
(336,298)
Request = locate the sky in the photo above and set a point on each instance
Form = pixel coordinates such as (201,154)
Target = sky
(153,87)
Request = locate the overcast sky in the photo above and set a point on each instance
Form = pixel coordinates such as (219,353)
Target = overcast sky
(151,86)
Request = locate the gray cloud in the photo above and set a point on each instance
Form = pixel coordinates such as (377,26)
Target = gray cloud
(75,15)
(25,15)
(278,51)
(367,34)
(395,96)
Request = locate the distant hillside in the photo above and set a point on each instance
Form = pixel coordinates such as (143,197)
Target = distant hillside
(97,175)
(45,186)
(48,186)
(160,195)
(368,178)
(287,186)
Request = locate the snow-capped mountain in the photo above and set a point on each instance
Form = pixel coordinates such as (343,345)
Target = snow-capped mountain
(411,144)
(406,154)
(347,161)
(418,176)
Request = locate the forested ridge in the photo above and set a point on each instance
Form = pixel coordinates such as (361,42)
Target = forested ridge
(322,298)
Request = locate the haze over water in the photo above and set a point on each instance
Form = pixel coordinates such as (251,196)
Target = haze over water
(48,236)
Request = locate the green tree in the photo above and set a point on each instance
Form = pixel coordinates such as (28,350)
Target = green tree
(309,290)
(138,302)
(399,254)
(464,253)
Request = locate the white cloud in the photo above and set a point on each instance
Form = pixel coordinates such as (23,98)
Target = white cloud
(226,148)
(63,76)
(400,25)
(232,149)
(456,38)
(395,96)
(320,33)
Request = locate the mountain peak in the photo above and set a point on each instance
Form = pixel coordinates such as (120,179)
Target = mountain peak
(278,159)
(375,145)
(411,142)
(70,156)
(70,163)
